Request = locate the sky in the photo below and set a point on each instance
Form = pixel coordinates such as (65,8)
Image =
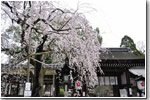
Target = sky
(115,18)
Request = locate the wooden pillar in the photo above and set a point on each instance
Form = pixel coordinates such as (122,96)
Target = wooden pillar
(6,89)
(119,84)
(128,82)
(57,86)
(53,88)
(84,89)
(9,91)
(18,87)
(66,89)
(41,77)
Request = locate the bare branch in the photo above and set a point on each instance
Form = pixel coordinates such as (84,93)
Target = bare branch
(30,4)
(7,4)
(24,5)
(10,50)
(54,11)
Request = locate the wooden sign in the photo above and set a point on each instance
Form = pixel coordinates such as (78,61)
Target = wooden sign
(28,86)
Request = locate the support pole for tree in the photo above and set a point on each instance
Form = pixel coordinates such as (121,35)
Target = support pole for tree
(28,66)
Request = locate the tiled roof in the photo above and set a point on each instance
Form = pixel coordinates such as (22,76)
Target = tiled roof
(118,53)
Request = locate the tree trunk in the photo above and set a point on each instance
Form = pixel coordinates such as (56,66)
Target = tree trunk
(37,69)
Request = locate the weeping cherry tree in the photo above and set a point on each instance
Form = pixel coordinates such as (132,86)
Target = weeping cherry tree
(45,28)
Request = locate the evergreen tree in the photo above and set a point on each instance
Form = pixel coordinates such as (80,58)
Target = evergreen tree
(129,43)
(100,39)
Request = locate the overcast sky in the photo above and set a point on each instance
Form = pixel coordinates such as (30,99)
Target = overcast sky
(115,18)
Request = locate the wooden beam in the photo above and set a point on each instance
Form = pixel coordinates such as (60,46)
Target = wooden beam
(41,53)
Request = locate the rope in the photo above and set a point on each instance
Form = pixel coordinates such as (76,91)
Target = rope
(57,64)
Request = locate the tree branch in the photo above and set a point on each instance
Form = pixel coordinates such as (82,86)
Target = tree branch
(54,11)
(30,4)
(10,50)
(60,29)
(7,4)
